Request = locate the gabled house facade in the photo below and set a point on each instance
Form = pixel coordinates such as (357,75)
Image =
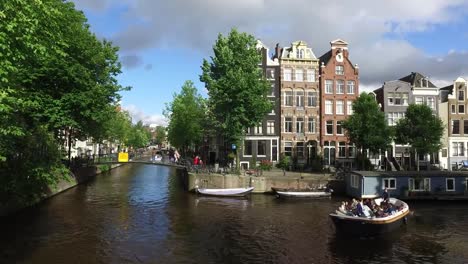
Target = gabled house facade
(262,142)
(453,112)
(300,103)
(339,87)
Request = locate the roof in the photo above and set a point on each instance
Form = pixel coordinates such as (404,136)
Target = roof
(423,174)
(325,57)
(415,80)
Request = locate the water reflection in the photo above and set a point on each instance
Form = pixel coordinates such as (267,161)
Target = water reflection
(139,214)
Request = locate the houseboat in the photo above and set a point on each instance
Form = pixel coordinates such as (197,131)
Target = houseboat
(408,185)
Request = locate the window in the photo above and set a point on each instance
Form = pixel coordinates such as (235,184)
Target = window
(270,74)
(431,102)
(329,107)
(311,75)
(458,149)
(450,184)
(339,86)
(288,148)
(300,149)
(461,95)
(419,184)
(272,92)
(465,127)
(350,87)
(287,74)
(339,127)
(300,53)
(299,75)
(393,117)
(354,181)
(247,130)
(258,130)
(453,109)
(288,98)
(270,127)
(312,99)
(339,70)
(339,107)
(461,109)
(328,86)
(329,127)
(342,149)
(389,183)
(288,124)
(300,98)
(311,125)
(247,148)
(349,107)
(274,150)
(300,125)
(398,98)
(456,127)
(261,148)
(418,100)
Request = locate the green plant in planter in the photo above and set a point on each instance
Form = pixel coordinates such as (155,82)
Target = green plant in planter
(284,163)
(266,165)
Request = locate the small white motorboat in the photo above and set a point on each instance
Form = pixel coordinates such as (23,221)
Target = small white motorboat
(225,192)
(285,193)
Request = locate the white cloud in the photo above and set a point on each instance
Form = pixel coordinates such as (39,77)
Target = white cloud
(147,119)
(365,24)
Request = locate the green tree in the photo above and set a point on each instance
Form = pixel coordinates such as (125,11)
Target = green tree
(160,135)
(185,114)
(237,91)
(57,80)
(367,127)
(421,129)
(139,136)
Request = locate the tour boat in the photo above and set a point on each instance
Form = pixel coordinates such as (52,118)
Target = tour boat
(371,226)
(306,193)
(225,192)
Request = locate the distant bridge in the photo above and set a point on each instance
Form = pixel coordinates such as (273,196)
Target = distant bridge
(158,163)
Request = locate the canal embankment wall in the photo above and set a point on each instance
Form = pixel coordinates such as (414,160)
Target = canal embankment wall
(262,184)
(78,176)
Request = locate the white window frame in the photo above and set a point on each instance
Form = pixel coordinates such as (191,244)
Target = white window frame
(287,74)
(312,99)
(270,127)
(288,122)
(340,86)
(288,144)
(349,107)
(339,70)
(288,98)
(386,183)
(339,107)
(310,75)
(446,184)
(258,147)
(329,107)
(244,148)
(329,86)
(299,98)
(299,124)
(258,130)
(419,100)
(329,123)
(350,87)
(339,124)
(426,185)
(298,75)
(311,125)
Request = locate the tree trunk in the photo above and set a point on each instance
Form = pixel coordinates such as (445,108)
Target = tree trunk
(69,147)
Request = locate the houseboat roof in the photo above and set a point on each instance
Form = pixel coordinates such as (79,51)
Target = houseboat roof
(424,174)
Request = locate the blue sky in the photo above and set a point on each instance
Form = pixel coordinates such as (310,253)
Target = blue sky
(163,43)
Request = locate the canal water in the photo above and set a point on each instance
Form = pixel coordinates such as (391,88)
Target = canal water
(140,214)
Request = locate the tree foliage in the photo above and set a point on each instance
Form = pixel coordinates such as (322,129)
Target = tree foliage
(420,128)
(237,91)
(185,114)
(367,127)
(160,135)
(55,77)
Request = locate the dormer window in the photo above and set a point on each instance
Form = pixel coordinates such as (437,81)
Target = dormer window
(461,95)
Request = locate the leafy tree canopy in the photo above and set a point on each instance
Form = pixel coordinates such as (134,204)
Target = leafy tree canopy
(420,128)
(237,91)
(367,127)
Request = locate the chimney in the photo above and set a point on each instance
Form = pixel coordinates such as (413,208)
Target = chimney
(277,52)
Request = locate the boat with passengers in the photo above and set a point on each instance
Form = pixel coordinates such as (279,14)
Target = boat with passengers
(371,217)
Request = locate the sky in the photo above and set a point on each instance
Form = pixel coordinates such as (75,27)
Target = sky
(163,42)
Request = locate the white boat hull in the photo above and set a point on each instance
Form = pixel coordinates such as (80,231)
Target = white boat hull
(225,192)
(303,194)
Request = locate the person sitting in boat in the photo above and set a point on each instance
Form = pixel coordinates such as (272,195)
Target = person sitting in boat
(390,209)
(386,196)
(359,208)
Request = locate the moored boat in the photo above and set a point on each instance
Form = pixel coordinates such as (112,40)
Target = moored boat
(225,191)
(371,225)
(306,193)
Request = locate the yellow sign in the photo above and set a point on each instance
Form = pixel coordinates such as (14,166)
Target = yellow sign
(123,157)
